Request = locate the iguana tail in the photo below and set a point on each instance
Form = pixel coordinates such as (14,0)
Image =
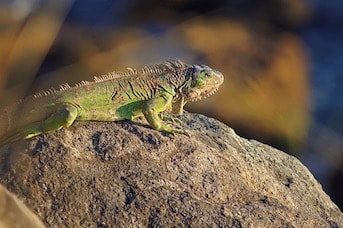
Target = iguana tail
(36,122)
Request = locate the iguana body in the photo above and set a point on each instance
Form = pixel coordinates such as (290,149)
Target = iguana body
(112,97)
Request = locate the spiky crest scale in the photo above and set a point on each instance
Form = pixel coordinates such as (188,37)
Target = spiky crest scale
(167,67)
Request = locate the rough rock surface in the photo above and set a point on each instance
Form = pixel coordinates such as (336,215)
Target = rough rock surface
(100,174)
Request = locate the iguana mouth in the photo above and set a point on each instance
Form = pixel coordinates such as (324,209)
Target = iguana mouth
(203,94)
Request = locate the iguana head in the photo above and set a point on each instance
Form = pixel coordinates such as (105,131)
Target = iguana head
(203,82)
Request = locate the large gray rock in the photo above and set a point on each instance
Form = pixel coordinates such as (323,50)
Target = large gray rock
(114,174)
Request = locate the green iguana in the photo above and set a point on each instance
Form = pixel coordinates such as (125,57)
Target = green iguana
(111,97)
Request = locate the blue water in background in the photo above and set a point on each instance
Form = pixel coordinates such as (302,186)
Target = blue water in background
(323,38)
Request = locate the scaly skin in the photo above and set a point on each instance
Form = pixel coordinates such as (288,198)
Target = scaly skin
(112,97)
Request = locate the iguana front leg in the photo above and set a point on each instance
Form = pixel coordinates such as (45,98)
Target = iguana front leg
(175,108)
(153,107)
(63,116)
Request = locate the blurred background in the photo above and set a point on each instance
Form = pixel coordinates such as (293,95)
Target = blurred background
(282,61)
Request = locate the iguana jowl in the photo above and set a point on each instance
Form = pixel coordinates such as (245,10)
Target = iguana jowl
(111,97)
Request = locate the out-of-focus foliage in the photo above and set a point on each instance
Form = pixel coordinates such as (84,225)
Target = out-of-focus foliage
(25,40)
(266,78)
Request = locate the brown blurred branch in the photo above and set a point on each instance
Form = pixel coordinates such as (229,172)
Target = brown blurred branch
(27,44)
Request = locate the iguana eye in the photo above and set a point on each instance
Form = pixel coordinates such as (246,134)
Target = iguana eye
(205,73)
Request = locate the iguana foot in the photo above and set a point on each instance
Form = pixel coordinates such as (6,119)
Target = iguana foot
(183,132)
(170,130)
(165,117)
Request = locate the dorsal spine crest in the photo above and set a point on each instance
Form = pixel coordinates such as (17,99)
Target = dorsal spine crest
(163,68)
